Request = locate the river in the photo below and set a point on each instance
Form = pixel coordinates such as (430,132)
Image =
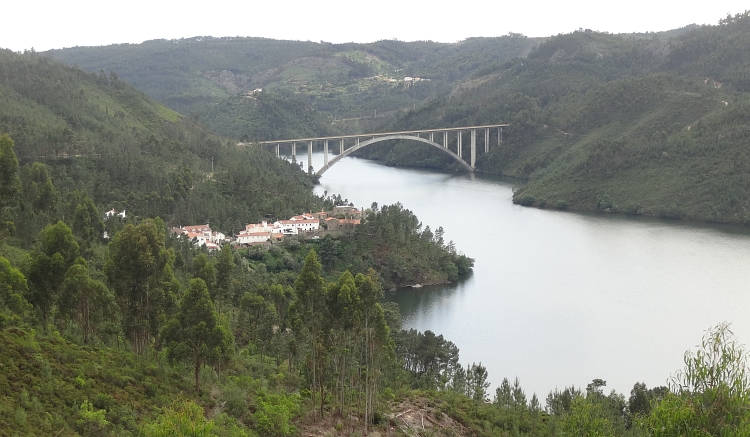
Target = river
(559,298)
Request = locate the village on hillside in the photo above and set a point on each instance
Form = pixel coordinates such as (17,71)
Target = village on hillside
(312,225)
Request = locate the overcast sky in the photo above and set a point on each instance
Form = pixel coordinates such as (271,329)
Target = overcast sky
(48,24)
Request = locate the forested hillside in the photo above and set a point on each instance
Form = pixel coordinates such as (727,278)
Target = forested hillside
(653,126)
(347,82)
(94,133)
(264,115)
(109,324)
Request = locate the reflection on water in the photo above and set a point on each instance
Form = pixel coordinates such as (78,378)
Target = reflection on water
(416,303)
(560,298)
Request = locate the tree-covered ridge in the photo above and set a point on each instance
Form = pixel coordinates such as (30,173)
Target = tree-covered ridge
(348,81)
(95,133)
(266,115)
(651,126)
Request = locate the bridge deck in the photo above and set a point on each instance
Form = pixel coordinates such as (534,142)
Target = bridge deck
(380,134)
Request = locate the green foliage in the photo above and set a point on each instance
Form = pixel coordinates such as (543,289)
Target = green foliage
(92,422)
(139,268)
(46,379)
(9,181)
(87,301)
(586,420)
(194,335)
(711,395)
(57,251)
(14,308)
(274,414)
(182,419)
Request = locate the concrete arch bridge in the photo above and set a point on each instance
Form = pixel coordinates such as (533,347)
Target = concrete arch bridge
(348,144)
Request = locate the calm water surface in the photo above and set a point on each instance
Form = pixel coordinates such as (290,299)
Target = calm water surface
(560,298)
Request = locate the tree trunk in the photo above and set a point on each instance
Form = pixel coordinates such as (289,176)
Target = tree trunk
(197,374)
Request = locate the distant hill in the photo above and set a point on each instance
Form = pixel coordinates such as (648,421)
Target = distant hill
(342,81)
(654,126)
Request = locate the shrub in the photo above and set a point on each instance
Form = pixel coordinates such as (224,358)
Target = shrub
(633,209)
(604,202)
(274,415)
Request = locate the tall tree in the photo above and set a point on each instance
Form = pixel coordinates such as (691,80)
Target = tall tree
(9,182)
(57,252)
(308,313)
(477,375)
(224,268)
(345,314)
(195,335)
(87,221)
(378,345)
(204,268)
(86,300)
(139,269)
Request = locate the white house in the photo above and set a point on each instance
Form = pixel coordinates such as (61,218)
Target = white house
(264,226)
(203,235)
(302,223)
(245,237)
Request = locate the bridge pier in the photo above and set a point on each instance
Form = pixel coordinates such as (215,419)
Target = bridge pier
(309,158)
(341,147)
(325,153)
(445,139)
(431,137)
(499,135)
(277,150)
(486,140)
(473,148)
(458,140)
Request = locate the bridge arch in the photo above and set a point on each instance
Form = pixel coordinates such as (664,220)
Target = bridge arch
(356,147)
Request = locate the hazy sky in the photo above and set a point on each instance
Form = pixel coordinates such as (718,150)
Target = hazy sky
(48,24)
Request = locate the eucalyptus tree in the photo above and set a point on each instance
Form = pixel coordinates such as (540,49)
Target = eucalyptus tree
(86,300)
(345,309)
(205,269)
(224,268)
(308,313)
(195,335)
(379,346)
(139,270)
(57,252)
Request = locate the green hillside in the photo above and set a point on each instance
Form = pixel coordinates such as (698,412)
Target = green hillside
(264,115)
(97,134)
(655,126)
(346,82)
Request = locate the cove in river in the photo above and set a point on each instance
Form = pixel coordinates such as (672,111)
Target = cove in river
(560,298)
